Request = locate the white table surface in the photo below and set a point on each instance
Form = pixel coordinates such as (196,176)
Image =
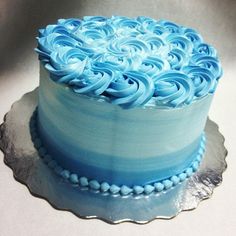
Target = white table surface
(23,214)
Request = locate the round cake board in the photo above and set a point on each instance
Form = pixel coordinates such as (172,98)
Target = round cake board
(28,168)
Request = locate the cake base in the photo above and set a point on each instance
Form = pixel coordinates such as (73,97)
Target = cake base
(28,168)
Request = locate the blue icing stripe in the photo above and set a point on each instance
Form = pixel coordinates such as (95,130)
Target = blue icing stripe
(111,167)
(102,141)
(96,54)
(90,158)
(114,189)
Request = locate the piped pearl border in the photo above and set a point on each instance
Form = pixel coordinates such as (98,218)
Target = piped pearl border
(104,187)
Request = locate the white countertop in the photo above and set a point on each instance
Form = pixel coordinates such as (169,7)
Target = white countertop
(23,214)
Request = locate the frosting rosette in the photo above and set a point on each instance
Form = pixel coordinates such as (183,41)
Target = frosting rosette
(94,31)
(128,47)
(70,24)
(53,43)
(66,64)
(124,22)
(128,61)
(208,62)
(156,45)
(193,36)
(131,89)
(50,29)
(205,49)
(180,41)
(177,58)
(203,80)
(154,65)
(170,26)
(173,88)
(118,62)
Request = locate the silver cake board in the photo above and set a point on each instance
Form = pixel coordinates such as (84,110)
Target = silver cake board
(28,168)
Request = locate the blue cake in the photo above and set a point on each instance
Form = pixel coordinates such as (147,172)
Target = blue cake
(123,102)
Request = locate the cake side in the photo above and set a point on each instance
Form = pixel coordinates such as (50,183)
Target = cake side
(103,141)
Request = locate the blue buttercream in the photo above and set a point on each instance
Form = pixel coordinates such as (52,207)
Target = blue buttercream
(114,189)
(93,68)
(65,174)
(182,176)
(94,184)
(124,190)
(83,181)
(105,187)
(159,186)
(175,179)
(74,178)
(205,49)
(193,36)
(148,188)
(138,189)
(173,88)
(102,141)
(71,49)
(167,184)
(195,165)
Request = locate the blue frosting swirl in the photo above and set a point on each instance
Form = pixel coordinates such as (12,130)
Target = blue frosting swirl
(53,43)
(131,89)
(208,62)
(203,79)
(66,64)
(95,79)
(193,36)
(53,29)
(130,61)
(70,24)
(154,65)
(173,88)
(177,58)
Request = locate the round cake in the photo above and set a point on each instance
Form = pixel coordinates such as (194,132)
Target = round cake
(123,102)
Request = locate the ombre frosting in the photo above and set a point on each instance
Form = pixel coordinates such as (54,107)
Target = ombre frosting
(123,102)
(130,62)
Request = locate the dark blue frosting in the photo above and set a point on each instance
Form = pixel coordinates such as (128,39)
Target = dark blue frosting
(130,61)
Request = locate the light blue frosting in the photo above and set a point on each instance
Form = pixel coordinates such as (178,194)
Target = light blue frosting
(130,61)
(104,187)
(102,141)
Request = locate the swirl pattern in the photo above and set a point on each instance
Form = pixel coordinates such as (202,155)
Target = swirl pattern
(130,61)
(173,88)
(95,80)
(206,49)
(203,80)
(131,89)
(52,43)
(66,64)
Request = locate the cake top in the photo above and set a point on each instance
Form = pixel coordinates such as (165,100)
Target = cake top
(130,61)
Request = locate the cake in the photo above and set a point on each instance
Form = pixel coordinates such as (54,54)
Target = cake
(123,102)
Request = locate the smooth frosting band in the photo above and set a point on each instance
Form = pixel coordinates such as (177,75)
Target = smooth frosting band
(123,188)
(124,146)
(130,62)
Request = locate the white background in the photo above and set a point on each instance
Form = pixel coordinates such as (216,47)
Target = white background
(23,214)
